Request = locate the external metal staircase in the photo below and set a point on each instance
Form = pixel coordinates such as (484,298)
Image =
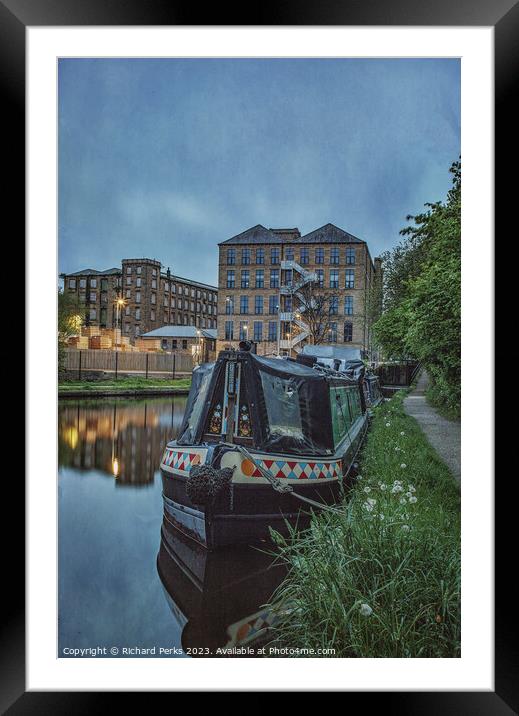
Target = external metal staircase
(291,289)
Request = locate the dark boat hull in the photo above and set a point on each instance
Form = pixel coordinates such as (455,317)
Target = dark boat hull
(255,511)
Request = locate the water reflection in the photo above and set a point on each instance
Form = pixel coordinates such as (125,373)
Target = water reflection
(218,598)
(123,439)
(127,578)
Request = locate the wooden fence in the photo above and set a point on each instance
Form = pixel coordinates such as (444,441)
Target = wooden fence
(135,363)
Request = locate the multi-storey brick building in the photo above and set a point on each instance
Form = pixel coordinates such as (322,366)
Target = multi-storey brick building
(261,270)
(147,296)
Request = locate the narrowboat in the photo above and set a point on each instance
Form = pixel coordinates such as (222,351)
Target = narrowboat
(264,441)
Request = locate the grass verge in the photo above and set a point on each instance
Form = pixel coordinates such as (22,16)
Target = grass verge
(136,383)
(381,579)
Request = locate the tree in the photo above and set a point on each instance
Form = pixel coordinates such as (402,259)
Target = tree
(422,295)
(316,308)
(70,320)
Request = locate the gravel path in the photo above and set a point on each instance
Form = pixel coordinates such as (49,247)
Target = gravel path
(444,435)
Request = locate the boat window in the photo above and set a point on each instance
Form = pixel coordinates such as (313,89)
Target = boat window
(355,406)
(199,388)
(341,415)
(282,403)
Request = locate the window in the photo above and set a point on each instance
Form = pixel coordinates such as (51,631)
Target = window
(93,297)
(350,256)
(348,332)
(93,314)
(154,283)
(260,256)
(319,256)
(173,303)
(128,293)
(137,330)
(340,408)
(334,278)
(174,344)
(152,315)
(304,256)
(154,298)
(139,270)
(320,277)
(244,304)
(126,327)
(229,305)
(289,276)
(231,257)
(273,304)
(274,278)
(154,272)
(128,280)
(230,279)
(334,255)
(245,257)
(127,311)
(274,255)
(332,333)
(128,269)
(348,305)
(334,305)
(288,303)
(72,283)
(244,329)
(173,288)
(184,344)
(93,283)
(104,284)
(350,279)
(258,305)
(273,330)
(260,278)
(138,282)
(258,331)
(229,330)
(282,403)
(137,314)
(82,283)
(289,253)
(138,297)
(245,279)
(164,344)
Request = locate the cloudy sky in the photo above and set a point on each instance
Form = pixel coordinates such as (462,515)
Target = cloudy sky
(165,158)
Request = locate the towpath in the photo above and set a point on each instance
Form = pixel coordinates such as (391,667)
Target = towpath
(444,435)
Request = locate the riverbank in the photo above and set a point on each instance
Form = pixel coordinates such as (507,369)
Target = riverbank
(382,578)
(124,386)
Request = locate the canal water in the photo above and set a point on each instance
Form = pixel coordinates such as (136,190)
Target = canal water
(128,585)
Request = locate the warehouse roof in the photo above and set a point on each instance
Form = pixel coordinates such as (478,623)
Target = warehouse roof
(180,332)
(94,272)
(327,234)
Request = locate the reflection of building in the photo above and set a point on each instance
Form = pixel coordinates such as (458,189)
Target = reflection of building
(152,298)
(125,441)
(196,342)
(261,271)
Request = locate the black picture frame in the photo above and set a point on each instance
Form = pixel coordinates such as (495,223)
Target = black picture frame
(15,16)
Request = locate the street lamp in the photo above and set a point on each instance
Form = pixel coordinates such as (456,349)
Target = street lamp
(120,302)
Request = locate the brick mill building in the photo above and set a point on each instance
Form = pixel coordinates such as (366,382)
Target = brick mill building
(261,271)
(151,298)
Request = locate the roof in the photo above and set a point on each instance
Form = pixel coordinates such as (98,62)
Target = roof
(94,272)
(180,332)
(327,234)
(255,235)
(190,281)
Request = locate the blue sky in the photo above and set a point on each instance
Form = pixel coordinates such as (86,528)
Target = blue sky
(165,158)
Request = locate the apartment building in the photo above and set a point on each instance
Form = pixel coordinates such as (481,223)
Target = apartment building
(141,297)
(261,275)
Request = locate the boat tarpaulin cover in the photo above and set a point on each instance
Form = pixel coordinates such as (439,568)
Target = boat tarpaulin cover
(289,403)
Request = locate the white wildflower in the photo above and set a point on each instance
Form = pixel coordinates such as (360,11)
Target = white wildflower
(381,516)
(403,501)
(366,610)
(367,489)
(405,528)
(396,488)
(411,488)
(388,425)
(382,486)
(402,433)
(412,499)
(369,504)
(403,466)
(408,494)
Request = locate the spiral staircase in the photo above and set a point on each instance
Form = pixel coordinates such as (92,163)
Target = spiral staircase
(295,317)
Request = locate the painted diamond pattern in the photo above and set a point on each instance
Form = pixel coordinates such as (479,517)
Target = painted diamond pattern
(300,470)
(181,461)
